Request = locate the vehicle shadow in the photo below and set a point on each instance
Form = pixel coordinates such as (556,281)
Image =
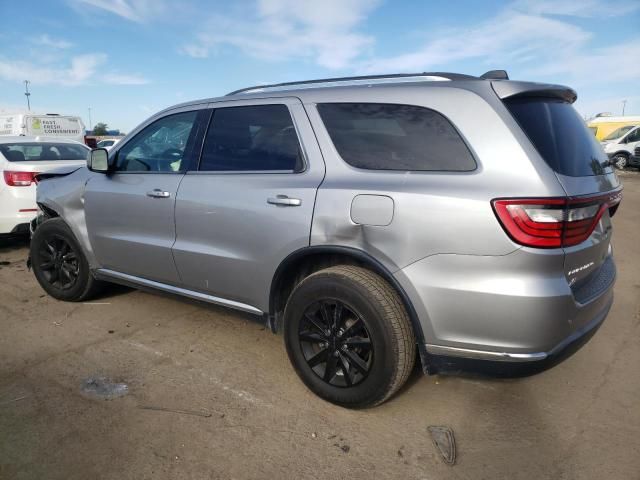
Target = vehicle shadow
(9,243)
(113,290)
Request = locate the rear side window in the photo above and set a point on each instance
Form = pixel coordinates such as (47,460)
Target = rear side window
(252,138)
(377,136)
(560,136)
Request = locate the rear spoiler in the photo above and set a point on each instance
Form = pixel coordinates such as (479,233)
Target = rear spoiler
(510,89)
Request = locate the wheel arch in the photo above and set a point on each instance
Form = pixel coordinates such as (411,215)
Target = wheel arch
(307,260)
(621,152)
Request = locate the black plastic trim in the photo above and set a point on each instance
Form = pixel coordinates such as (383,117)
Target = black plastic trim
(356,254)
(450,365)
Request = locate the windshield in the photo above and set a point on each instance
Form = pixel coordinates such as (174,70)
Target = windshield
(560,135)
(29,152)
(618,133)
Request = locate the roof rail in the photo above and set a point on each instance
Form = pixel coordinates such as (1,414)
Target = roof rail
(447,76)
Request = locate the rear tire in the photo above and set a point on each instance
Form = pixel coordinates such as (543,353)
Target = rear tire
(59,263)
(349,337)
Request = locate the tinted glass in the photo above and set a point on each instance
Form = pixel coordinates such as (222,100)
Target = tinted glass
(254,138)
(46,152)
(633,136)
(160,147)
(395,137)
(560,136)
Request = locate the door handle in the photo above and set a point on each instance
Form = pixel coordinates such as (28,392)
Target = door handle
(284,201)
(157,193)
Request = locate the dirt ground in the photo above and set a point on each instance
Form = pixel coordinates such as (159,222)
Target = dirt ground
(580,420)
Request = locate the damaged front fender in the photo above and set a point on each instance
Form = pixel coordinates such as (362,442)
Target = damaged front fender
(60,193)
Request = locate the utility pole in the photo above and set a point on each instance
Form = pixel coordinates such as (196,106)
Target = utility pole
(90,126)
(624,105)
(27,94)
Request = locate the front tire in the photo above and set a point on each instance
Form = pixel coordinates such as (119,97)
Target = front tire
(59,263)
(620,160)
(349,337)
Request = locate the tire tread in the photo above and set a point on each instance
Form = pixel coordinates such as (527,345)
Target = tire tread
(403,341)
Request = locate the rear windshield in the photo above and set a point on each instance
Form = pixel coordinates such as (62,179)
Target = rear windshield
(560,136)
(21,152)
(378,136)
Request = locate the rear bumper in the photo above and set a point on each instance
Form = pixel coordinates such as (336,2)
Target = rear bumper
(17,224)
(512,309)
(568,345)
(17,208)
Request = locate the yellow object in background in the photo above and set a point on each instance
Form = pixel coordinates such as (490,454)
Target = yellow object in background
(603,126)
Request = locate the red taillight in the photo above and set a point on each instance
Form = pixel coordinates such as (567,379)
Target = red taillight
(19,179)
(553,222)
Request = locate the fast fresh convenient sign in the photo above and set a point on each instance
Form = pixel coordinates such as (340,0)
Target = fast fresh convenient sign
(62,126)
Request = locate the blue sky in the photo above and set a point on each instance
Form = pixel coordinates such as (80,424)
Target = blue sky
(127,59)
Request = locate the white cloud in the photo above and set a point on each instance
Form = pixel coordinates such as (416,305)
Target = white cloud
(133,10)
(195,51)
(290,29)
(530,38)
(573,8)
(123,79)
(47,41)
(80,69)
(615,60)
(510,38)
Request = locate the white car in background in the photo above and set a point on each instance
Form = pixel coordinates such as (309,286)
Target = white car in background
(108,143)
(620,145)
(21,159)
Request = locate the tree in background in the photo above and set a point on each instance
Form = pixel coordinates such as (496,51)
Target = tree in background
(100,129)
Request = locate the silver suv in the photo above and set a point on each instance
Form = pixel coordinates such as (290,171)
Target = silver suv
(469,217)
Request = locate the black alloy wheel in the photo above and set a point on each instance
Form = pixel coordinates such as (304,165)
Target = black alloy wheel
(59,263)
(348,336)
(335,343)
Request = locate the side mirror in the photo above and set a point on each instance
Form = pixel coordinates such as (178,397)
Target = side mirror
(98,160)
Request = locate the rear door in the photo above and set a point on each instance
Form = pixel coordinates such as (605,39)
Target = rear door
(250,202)
(562,139)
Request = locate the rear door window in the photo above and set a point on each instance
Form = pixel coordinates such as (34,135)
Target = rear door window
(252,138)
(560,135)
(376,136)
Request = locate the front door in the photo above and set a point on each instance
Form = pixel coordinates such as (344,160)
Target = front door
(130,211)
(250,203)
